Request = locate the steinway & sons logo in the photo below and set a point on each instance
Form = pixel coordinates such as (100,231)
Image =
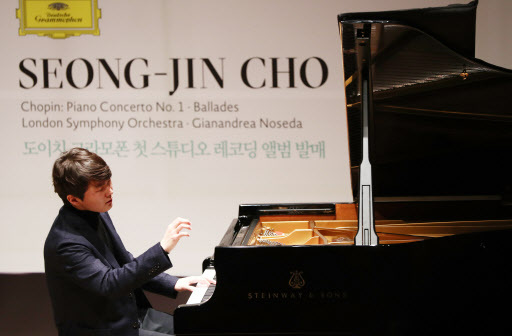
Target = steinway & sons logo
(297,292)
(58,18)
(296,281)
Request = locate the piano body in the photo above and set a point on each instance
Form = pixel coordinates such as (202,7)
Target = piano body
(427,246)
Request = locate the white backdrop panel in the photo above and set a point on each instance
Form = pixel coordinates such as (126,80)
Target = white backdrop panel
(186,166)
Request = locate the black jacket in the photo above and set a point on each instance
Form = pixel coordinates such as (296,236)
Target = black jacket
(96,291)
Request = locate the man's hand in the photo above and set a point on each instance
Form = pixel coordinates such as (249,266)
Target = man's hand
(184,284)
(174,233)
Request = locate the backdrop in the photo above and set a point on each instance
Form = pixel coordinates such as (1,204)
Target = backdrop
(197,106)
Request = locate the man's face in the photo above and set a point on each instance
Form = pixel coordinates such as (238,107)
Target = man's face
(97,198)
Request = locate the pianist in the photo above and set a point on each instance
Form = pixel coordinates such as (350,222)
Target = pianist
(95,284)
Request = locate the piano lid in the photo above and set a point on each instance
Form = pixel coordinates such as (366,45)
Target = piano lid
(440,121)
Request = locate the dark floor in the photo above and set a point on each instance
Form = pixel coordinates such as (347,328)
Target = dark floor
(25,308)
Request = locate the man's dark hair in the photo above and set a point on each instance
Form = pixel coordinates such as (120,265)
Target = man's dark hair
(75,169)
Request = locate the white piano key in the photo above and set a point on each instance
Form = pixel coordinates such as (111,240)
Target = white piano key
(200,290)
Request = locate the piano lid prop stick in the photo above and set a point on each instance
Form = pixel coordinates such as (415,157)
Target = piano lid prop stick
(366,234)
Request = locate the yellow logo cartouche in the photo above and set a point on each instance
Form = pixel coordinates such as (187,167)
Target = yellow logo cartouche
(58,18)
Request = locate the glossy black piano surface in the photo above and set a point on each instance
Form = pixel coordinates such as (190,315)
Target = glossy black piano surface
(440,141)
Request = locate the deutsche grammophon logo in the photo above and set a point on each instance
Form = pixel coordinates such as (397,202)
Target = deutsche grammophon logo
(58,18)
(296,280)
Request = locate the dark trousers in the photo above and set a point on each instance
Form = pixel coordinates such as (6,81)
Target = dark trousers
(143,332)
(157,323)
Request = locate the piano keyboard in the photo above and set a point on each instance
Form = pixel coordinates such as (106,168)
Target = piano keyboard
(203,292)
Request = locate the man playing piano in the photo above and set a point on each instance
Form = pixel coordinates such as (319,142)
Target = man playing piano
(95,284)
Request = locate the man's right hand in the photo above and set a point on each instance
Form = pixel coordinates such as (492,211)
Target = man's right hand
(174,233)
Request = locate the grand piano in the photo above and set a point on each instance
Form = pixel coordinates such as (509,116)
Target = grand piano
(426,248)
